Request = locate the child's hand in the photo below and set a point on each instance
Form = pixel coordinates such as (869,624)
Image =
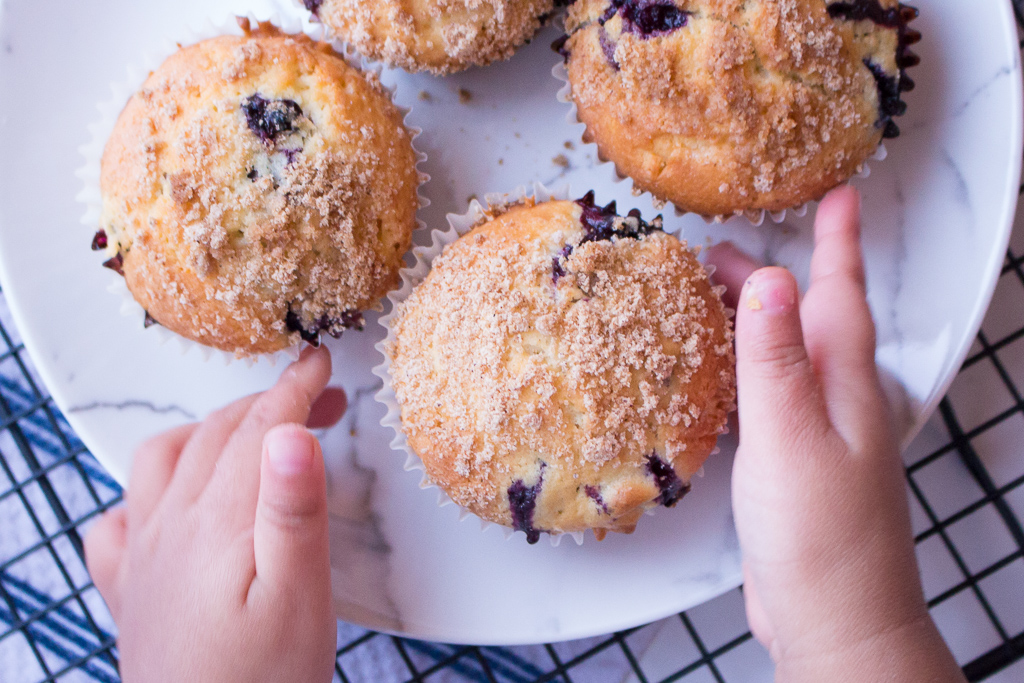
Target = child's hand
(832,587)
(218,568)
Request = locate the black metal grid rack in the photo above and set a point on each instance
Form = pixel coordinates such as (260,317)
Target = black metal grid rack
(61,631)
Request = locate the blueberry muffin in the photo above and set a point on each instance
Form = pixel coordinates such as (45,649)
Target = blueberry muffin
(729,106)
(562,368)
(440,36)
(257,191)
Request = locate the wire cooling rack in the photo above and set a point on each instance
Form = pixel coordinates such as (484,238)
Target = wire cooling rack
(965,474)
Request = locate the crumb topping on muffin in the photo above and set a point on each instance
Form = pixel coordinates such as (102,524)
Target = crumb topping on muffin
(562,368)
(723,106)
(258,189)
(440,36)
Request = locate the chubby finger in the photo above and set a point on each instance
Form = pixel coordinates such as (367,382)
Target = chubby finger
(778,395)
(838,328)
(234,485)
(837,251)
(198,459)
(732,268)
(328,409)
(290,537)
(104,551)
(152,472)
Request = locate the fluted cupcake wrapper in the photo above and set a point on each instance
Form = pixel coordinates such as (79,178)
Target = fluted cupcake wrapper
(109,109)
(459,225)
(755,216)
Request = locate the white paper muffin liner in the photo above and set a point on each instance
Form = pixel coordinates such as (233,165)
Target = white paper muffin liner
(755,216)
(459,225)
(109,109)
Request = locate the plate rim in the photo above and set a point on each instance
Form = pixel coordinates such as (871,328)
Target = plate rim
(1007,220)
(951,370)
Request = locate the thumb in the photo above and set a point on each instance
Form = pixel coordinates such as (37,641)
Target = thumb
(290,538)
(778,393)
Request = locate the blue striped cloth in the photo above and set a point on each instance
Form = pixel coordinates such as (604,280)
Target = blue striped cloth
(52,622)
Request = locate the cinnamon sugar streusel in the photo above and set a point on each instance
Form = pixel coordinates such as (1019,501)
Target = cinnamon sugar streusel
(562,368)
(724,106)
(441,36)
(258,190)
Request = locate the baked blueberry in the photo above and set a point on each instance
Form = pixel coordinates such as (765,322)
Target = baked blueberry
(558,271)
(522,501)
(269,119)
(311,330)
(871,10)
(115,263)
(647,18)
(889,102)
(604,223)
(594,493)
(608,47)
(671,486)
(99,240)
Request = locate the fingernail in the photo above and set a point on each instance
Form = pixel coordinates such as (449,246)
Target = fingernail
(289,450)
(293,368)
(310,350)
(770,290)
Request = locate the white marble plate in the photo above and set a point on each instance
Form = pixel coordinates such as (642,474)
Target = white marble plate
(937,213)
